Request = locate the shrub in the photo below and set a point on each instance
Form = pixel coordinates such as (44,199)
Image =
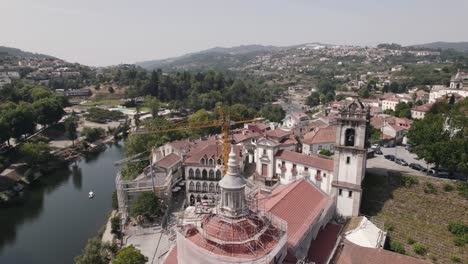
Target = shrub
(397,247)
(411,241)
(462,188)
(419,248)
(145,204)
(129,255)
(455,259)
(325,152)
(115,225)
(389,226)
(430,188)
(408,181)
(448,187)
(92,134)
(115,202)
(460,241)
(458,228)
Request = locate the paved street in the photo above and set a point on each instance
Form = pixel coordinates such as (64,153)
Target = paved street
(380,165)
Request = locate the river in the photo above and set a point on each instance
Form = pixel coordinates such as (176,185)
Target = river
(56,218)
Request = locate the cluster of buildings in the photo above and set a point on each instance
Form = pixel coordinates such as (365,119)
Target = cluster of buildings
(289,208)
(35,69)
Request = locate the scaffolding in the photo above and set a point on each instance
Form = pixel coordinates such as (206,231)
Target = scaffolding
(258,237)
(148,181)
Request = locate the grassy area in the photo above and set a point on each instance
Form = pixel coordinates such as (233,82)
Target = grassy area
(418,210)
(103,102)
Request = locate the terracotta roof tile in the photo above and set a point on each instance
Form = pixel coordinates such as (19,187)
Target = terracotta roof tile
(309,160)
(278,133)
(299,204)
(169,161)
(423,108)
(322,135)
(172,257)
(350,253)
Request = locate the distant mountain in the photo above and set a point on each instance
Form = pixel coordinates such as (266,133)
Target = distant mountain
(217,58)
(459,46)
(22,54)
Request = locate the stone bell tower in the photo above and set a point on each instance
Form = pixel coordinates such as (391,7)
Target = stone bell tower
(350,158)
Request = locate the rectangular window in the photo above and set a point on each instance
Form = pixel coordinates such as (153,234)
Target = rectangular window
(340,192)
(264,152)
(348,159)
(350,194)
(324,175)
(294,166)
(306,169)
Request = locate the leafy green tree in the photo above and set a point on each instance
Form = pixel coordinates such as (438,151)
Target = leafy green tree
(403,109)
(313,99)
(145,204)
(111,89)
(48,111)
(35,153)
(129,255)
(21,120)
(95,252)
(274,113)
(241,112)
(364,92)
(71,126)
(115,225)
(5,129)
(153,104)
(38,93)
(92,134)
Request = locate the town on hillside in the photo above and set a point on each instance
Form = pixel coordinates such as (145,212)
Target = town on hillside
(312,153)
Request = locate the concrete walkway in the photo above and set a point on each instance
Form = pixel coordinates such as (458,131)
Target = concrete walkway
(108,236)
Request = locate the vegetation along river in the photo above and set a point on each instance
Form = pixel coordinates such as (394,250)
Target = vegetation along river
(55,217)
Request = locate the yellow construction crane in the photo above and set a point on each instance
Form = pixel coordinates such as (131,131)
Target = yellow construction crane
(224,121)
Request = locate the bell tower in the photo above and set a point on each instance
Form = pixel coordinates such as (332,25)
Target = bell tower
(350,158)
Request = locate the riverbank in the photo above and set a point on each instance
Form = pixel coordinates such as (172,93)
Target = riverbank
(55,203)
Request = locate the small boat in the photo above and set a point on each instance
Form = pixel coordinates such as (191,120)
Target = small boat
(91,195)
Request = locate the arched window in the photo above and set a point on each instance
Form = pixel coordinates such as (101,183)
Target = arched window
(349,137)
(212,188)
(211,162)
(202,161)
(191,186)
(211,175)
(190,173)
(218,175)
(204,174)
(197,174)
(205,187)
(198,187)
(219,162)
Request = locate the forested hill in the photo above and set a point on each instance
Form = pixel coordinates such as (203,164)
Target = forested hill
(5,51)
(218,58)
(458,46)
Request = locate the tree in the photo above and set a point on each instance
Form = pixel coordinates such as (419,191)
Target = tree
(110,89)
(145,204)
(48,111)
(95,252)
(403,109)
(115,225)
(92,134)
(21,120)
(35,153)
(71,126)
(153,104)
(201,116)
(273,113)
(313,99)
(364,92)
(4,131)
(129,255)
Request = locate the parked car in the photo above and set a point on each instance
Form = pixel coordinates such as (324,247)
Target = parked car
(389,145)
(375,146)
(389,157)
(402,162)
(378,151)
(417,167)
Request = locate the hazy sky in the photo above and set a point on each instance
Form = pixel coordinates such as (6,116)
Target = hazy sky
(104,32)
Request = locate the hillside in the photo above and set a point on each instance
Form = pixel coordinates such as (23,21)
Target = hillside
(19,53)
(459,46)
(218,58)
(418,213)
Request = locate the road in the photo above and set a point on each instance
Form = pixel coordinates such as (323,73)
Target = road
(380,165)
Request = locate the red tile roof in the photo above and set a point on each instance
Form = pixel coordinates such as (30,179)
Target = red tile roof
(172,257)
(278,133)
(322,135)
(308,160)
(169,161)
(212,150)
(423,108)
(299,203)
(321,248)
(350,253)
